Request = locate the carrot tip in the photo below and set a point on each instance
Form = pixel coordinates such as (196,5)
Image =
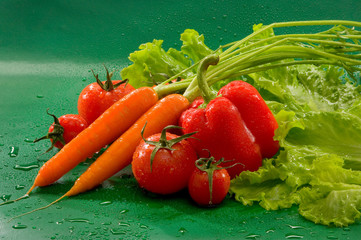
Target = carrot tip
(38,209)
(15,200)
(30,190)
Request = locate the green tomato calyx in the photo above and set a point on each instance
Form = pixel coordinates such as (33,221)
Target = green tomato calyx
(108,85)
(163,143)
(210,165)
(56,135)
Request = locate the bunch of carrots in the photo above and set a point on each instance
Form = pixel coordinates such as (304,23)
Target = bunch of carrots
(122,123)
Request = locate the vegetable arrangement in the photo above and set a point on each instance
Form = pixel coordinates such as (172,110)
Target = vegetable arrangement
(286,120)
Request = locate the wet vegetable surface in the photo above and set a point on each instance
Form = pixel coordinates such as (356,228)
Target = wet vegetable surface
(47,52)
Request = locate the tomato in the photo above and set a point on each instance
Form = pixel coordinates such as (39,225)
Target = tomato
(64,129)
(199,187)
(99,96)
(169,171)
(73,124)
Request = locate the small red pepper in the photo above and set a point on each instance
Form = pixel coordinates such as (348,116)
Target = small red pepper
(220,129)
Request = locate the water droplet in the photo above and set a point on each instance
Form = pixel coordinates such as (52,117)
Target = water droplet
(2,144)
(84,79)
(40,96)
(253,236)
(143,226)
(19,226)
(5,197)
(117,232)
(124,211)
(296,227)
(19,187)
(14,151)
(26,167)
(293,236)
(84,220)
(106,203)
(28,140)
(124,224)
(92,233)
(347,229)
(182,230)
(332,237)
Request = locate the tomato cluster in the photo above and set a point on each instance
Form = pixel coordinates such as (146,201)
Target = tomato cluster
(94,99)
(166,163)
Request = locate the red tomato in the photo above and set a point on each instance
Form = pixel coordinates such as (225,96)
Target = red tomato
(64,129)
(198,186)
(171,169)
(99,96)
(73,125)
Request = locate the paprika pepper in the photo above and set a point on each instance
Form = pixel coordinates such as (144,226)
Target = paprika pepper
(220,128)
(255,113)
(235,124)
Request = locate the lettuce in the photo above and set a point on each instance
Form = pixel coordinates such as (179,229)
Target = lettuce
(318,166)
(152,64)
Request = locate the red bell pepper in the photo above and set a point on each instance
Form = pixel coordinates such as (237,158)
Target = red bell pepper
(255,113)
(235,125)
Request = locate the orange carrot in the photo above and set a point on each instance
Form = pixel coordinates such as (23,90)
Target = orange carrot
(119,154)
(107,128)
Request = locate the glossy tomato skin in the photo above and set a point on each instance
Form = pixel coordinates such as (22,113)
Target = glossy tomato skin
(93,100)
(73,124)
(170,169)
(198,187)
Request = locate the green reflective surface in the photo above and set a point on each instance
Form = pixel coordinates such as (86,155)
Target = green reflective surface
(47,49)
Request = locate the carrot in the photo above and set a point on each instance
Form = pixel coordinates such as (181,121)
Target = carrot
(107,128)
(119,154)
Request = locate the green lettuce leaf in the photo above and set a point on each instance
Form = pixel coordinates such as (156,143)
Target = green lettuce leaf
(335,193)
(152,64)
(318,166)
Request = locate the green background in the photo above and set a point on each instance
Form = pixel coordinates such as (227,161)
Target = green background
(47,49)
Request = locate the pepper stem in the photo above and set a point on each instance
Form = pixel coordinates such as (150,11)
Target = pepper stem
(206,91)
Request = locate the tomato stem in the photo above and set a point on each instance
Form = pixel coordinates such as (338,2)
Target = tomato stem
(163,143)
(108,85)
(56,135)
(209,165)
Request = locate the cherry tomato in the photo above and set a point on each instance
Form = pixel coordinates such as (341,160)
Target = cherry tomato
(73,124)
(200,189)
(64,129)
(169,171)
(99,96)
